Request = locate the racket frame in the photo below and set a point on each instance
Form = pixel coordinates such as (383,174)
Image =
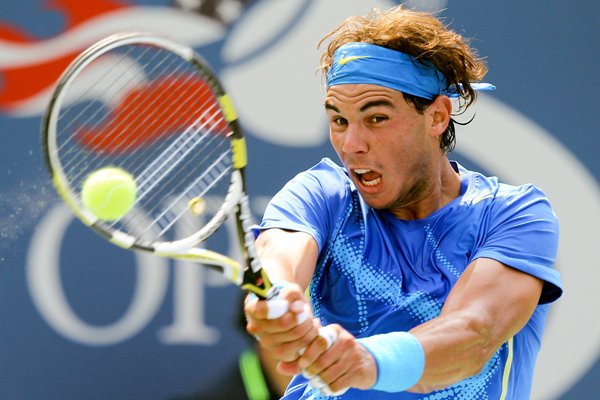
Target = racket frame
(249,274)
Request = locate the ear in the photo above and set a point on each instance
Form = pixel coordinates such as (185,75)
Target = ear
(441,112)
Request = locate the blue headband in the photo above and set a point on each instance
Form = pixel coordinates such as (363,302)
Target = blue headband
(369,63)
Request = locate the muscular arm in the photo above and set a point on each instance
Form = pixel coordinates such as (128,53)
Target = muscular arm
(488,305)
(287,255)
(291,257)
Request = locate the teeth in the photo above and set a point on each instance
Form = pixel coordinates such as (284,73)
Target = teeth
(371,183)
(366,182)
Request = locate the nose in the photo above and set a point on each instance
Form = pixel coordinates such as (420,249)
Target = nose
(354,140)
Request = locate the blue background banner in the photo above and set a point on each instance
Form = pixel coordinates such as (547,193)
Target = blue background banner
(84,319)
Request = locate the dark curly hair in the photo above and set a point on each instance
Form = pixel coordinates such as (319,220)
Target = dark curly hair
(422,36)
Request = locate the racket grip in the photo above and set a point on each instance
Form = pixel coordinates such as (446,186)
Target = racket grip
(277,306)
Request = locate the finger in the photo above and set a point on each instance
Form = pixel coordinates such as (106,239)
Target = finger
(327,337)
(324,388)
(285,324)
(355,366)
(336,370)
(329,334)
(333,363)
(328,387)
(298,336)
(292,367)
(296,301)
(317,383)
(259,321)
(254,308)
(335,379)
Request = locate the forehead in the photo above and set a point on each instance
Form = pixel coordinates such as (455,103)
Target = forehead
(358,94)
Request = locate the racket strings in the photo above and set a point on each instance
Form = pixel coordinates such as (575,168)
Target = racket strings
(176,164)
(190,156)
(71,159)
(165,212)
(173,154)
(169,158)
(116,85)
(137,121)
(109,138)
(105,89)
(198,188)
(201,186)
(177,155)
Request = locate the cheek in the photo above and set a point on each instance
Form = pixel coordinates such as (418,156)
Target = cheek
(405,151)
(336,140)
(414,138)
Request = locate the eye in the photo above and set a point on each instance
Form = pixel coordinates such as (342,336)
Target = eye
(376,119)
(339,121)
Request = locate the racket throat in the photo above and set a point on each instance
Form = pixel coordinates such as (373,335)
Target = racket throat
(258,283)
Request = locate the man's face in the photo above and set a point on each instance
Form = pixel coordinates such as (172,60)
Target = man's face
(387,147)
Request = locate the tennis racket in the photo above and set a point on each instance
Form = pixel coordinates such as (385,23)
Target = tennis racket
(154,108)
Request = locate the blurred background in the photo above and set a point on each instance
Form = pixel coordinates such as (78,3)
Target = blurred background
(80,318)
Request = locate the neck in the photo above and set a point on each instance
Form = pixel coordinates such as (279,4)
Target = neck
(438,190)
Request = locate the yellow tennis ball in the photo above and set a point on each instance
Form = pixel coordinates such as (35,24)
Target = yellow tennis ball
(109,193)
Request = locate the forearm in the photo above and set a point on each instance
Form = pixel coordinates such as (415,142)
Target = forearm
(456,347)
(287,256)
(489,304)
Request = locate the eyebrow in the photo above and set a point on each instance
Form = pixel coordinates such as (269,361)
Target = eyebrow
(375,103)
(329,106)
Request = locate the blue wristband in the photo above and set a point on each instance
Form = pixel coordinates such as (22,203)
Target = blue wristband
(400,360)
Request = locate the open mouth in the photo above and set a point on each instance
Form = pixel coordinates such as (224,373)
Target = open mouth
(367,177)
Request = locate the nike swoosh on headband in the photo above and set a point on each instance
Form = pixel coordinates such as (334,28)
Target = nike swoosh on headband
(345,60)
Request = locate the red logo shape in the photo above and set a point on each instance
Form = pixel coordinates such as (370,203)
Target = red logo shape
(24,81)
(154,112)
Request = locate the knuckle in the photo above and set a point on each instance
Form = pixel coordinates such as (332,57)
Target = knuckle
(327,375)
(335,386)
(252,328)
(266,342)
(288,323)
(279,352)
(321,364)
(346,341)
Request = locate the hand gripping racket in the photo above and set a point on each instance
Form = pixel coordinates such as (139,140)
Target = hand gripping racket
(154,108)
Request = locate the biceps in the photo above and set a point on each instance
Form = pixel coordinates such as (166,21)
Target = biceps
(288,255)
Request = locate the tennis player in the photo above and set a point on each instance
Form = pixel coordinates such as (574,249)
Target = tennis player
(437,279)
